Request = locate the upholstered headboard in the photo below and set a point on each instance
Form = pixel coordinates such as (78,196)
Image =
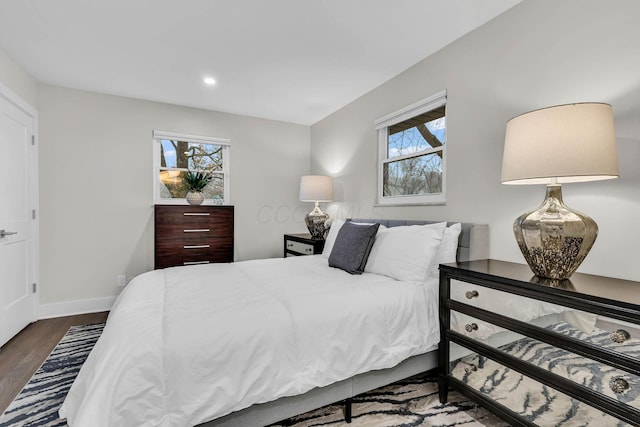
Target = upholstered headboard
(473,242)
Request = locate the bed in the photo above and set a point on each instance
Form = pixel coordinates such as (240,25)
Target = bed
(251,343)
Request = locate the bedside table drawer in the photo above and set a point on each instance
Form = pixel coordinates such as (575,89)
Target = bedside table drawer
(302,244)
(302,248)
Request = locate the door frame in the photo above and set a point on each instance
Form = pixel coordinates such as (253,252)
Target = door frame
(34,244)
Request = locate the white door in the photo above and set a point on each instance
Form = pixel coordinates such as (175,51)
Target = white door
(17,201)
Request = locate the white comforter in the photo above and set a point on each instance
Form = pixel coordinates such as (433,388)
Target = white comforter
(186,345)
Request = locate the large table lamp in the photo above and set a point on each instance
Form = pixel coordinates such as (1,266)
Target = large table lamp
(316,188)
(556,145)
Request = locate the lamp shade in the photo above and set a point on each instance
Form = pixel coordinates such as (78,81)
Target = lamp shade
(565,143)
(316,188)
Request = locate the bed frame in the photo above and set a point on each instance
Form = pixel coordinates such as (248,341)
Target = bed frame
(473,244)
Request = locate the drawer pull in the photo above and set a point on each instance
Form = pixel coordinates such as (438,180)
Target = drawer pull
(470,327)
(196,214)
(471,368)
(196,246)
(195,262)
(619,336)
(619,385)
(197,230)
(471,294)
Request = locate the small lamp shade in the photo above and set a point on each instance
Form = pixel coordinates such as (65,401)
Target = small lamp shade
(570,143)
(316,188)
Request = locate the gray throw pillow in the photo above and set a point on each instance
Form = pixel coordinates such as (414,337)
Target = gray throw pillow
(352,247)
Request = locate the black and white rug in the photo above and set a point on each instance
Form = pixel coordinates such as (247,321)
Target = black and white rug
(407,403)
(39,401)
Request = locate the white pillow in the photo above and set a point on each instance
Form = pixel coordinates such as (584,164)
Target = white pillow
(448,250)
(405,253)
(449,246)
(331,237)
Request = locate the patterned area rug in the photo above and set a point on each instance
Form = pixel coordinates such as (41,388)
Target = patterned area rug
(39,401)
(407,403)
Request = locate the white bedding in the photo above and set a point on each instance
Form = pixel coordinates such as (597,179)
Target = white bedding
(186,345)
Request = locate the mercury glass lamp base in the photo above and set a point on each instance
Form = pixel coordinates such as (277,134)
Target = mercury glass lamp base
(554,239)
(316,220)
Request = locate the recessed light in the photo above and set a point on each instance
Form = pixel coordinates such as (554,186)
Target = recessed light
(209,81)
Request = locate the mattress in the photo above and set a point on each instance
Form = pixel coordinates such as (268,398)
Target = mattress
(189,344)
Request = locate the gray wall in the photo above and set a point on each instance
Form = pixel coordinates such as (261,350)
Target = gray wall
(96,185)
(538,54)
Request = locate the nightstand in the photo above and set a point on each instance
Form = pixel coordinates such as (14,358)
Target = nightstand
(302,244)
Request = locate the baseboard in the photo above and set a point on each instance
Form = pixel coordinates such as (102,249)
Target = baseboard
(69,308)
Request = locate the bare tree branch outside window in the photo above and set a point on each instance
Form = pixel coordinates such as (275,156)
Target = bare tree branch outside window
(418,147)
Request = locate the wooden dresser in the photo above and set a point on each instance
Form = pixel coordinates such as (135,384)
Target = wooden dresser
(186,235)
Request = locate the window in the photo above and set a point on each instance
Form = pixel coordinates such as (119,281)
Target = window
(412,153)
(176,154)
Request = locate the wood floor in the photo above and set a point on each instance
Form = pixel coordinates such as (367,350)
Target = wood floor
(24,353)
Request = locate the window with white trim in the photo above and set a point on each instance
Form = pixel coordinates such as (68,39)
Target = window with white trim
(177,154)
(412,153)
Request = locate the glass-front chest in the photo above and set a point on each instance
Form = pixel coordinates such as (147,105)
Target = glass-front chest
(537,351)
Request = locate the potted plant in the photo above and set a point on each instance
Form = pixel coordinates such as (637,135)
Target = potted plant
(196,182)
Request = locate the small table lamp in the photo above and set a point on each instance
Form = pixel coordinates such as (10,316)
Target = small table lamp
(316,188)
(565,143)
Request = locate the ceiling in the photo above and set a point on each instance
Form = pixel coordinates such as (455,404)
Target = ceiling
(290,60)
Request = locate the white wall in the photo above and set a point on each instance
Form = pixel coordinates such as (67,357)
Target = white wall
(17,80)
(538,54)
(95,150)
(96,186)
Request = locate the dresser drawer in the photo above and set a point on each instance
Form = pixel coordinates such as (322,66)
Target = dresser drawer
(170,256)
(623,339)
(582,369)
(484,330)
(529,399)
(180,213)
(206,248)
(178,220)
(185,234)
(515,306)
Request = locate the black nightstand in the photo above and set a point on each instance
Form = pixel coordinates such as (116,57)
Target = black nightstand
(302,244)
